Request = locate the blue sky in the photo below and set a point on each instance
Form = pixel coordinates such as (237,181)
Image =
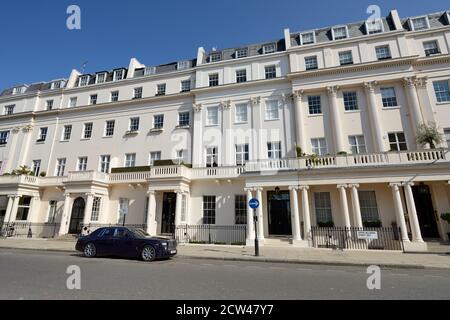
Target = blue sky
(37,46)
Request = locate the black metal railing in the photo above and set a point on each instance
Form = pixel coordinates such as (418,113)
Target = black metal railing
(29,230)
(211,234)
(91,227)
(386,238)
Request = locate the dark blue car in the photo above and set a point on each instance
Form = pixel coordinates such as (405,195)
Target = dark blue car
(126,243)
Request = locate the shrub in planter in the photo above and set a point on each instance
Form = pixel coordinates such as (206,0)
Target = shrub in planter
(342,153)
(43,174)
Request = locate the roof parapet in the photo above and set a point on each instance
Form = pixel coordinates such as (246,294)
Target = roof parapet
(201,55)
(287,38)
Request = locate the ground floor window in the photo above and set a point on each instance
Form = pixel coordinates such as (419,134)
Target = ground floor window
(95,209)
(123,209)
(369,208)
(322,201)
(183,208)
(23,209)
(240,209)
(52,207)
(146,210)
(209,209)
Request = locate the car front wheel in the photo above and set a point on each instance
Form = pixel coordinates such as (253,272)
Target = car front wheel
(148,253)
(90,251)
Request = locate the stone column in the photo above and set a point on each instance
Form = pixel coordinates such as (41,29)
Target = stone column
(257,139)
(299,122)
(375,123)
(15,207)
(296,232)
(250,222)
(344,204)
(9,209)
(413,101)
(356,205)
(412,212)
(336,119)
(259,213)
(197,137)
(227,148)
(178,208)
(88,208)
(151,213)
(63,229)
(306,213)
(400,214)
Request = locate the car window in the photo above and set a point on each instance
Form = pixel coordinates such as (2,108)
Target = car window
(109,232)
(122,233)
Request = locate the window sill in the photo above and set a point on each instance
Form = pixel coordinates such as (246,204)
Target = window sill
(131,133)
(212,125)
(240,123)
(183,127)
(352,111)
(156,130)
(442,103)
(85,139)
(272,119)
(64,140)
(315,115)
(392,108)
(107,137)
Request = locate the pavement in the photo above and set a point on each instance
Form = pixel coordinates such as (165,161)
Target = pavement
(272,254)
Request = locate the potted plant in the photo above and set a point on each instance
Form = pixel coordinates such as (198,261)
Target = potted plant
(43,174)
(22,171)
(342,153)
(299,151)
(429,134)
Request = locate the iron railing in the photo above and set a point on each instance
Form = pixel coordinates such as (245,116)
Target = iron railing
(91,227)
(387,238)
(211,234)
(29,230)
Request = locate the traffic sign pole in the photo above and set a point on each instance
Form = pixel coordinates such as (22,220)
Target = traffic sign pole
(254,204)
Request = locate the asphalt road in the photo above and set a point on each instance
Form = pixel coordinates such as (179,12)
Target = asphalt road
(42,275)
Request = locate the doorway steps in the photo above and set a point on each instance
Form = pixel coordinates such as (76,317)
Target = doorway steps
(277,242)
(436,246)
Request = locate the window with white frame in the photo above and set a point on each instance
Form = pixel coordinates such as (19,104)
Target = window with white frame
(209,209)
(374,26)
(419,23)
(212,116)
(124,205)
(36,167)
(4,136)
(397,141)
(83,81)
(350,101)
(213,79)
(211,157)
(240,209)
(8,110)
(57,84)
(105,161)
(242,154)
(274,150)
(272,112)
(109,128)
(183,208)
(73,102)
(24,208)
(389,97)
(369,207)
(67,132)
(241,113)
(270,72)
(308,38)
(96,202)
(134,124)
(185,85)
(49,104)
(447,136)
(241,76)
(345,58)
(357,144)
(149,71)
(93,99)
(137,93)
(182,65)
(60,167)
(130,160)
(314,105)
(158,121)
(431,48)
(215,57)
(322,205)
(42,134)
(311,63)
(179,157)
(52,209)
(154,156)
(100,78)
(184,119)
(442,91)
(241,53)
(82,164)
(114,96)
(383,52)
(18,90)
(269,48)
(319,146)
(161,89)
(119,74)
(339,32)
(87,130)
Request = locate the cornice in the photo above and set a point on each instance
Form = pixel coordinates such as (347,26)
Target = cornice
(239,85)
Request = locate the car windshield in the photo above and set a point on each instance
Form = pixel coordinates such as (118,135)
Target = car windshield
(140,233)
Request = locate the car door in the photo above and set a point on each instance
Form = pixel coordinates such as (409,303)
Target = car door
(105,241)
(124,243)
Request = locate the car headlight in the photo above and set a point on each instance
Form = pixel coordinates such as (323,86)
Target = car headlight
(164,244)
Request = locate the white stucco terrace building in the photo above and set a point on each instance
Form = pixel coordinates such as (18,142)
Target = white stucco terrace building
(242,123)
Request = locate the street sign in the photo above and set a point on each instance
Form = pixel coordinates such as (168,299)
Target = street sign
(367,235)
(254,203)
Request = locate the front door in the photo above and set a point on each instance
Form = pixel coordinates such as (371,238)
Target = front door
(279,213)
(168,213)
(76,219)
(425,211)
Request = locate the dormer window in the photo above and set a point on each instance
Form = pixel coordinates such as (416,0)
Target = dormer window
(269,48)
(308,38)
(119,75)
(83,81)
(374,26)
(214,57)
(19,90)
(57,84)
(149,71)
(182,65)
(241,53)
(100,78)
(339,33)
(419,23)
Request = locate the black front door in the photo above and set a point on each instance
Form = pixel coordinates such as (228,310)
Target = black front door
(76,219)
(168,213)
(279,213)
(425,211)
